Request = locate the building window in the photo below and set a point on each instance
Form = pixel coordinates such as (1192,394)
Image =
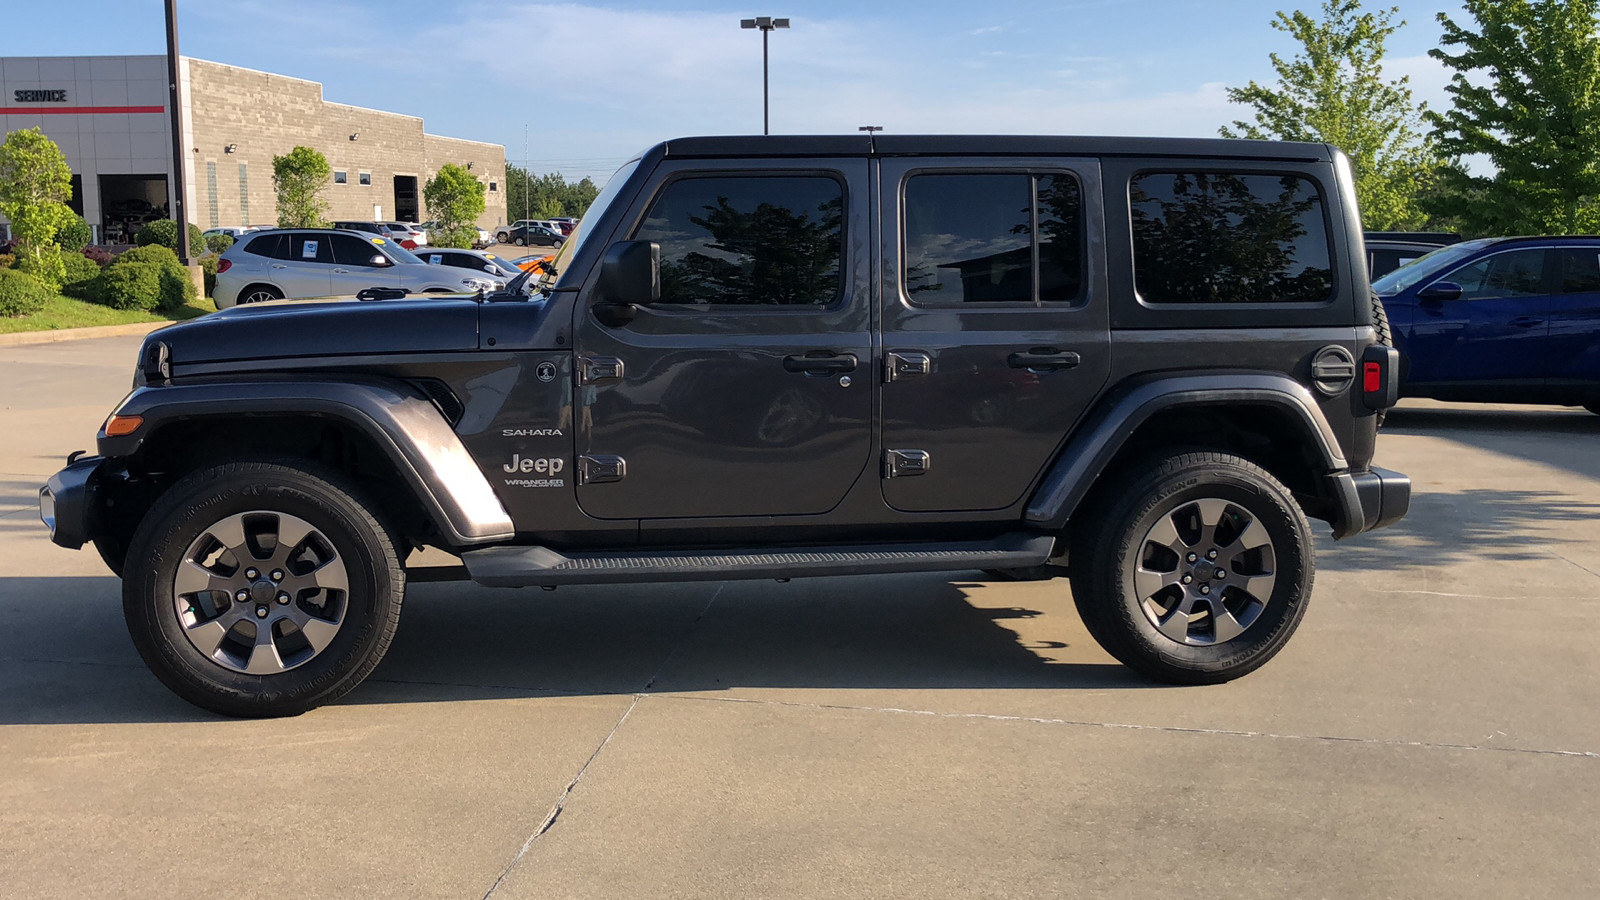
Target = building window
(366,177)
(340,178)
(1226,237)
(494,186)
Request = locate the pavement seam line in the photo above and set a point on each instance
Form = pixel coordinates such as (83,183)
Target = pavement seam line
(1570,562)
(560,804)
(1176,729)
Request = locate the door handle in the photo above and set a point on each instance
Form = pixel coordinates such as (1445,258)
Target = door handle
(1526,321)
(341,271)
(1044,359)
(279,266)
(820,362)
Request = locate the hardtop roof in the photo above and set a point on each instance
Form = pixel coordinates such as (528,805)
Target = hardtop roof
(983,145)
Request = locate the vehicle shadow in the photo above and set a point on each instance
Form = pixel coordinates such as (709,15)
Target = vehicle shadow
(1538,434)
(66,657)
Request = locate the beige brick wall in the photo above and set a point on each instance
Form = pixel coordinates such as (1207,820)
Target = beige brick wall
(265,115)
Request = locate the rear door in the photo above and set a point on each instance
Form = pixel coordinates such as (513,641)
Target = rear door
(307,259)
(994,323)
(1574,356)
(747,390)
(1495,333)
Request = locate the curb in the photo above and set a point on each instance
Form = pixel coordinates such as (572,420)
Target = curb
(78,334)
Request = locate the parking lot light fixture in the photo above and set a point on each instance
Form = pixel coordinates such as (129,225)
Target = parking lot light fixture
(766,24)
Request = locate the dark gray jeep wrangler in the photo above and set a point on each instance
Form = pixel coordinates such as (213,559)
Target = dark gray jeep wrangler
(1141,362)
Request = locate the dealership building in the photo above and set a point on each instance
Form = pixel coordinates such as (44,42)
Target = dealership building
(110,116)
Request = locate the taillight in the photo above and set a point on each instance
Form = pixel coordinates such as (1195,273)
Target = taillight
(1371,377)
(1380,377)
(224,265)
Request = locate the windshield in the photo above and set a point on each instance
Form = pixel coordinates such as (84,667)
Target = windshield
(398,253)
(555,267)
(1425,266)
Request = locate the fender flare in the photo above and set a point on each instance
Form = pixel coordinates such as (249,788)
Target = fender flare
(1103,434)
(410,430)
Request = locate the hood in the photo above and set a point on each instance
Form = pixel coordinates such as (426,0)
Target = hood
(300,328)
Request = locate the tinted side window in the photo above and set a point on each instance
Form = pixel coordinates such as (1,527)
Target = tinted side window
(768,240)
(268,245)
(1517,273)
(969,238)
(1580,270)
(350,250)
(1218,237)
(308,247)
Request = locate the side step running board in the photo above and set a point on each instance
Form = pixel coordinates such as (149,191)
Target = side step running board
(528,566)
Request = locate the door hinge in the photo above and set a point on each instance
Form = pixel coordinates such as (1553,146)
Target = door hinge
(599,469)
(599,370)
(899,364)
(903,463)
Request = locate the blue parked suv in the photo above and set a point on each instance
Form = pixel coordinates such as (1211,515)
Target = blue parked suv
(1501,320)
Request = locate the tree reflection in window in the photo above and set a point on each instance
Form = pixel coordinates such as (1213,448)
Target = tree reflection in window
(1227,238)
(749,241)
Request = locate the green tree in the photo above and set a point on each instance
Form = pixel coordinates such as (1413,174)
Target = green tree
(547,195)
(1526,94)
(455,200)
(299,179)
(35,185)
(1334,91)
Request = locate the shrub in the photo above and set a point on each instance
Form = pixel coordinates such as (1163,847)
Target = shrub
(165,233)
(81,272)
(159,254)
(21,293)
(74,235)
(97,255)
(7,260)
(177,288)
(128,285)
(48,264)
(217,243)
(208,265)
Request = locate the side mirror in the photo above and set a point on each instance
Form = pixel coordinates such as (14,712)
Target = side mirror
(378,260)
(1440,292)
(630,275)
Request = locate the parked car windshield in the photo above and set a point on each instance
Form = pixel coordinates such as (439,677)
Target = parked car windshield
(1426,266)
(596,209)
(401,254)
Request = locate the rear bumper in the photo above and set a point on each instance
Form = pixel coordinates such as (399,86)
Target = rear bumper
(1368,500)
(67,502)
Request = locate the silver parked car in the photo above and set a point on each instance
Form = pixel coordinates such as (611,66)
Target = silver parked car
(497,267)
(296,264)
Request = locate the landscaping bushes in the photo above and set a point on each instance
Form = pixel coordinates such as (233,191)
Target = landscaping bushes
(219,242)
(146,278)
(81,272)
(164,233)
(21,293)
(74,235)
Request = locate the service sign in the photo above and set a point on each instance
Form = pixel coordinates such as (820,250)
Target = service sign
(40,96)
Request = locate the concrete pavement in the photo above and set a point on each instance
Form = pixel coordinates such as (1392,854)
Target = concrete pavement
(1428,732)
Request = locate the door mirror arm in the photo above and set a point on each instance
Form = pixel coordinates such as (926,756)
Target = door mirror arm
(630,276)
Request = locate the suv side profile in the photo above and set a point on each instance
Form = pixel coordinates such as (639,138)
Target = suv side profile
(302,263)
(1144,362)
(1500,320)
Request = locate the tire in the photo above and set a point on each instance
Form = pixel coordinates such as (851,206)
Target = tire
(206,647)
(258,293)
(522,242)
(1141,626)
(1380,324)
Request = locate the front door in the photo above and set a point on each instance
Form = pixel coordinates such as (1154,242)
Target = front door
(1494,334)
(996,333)
(747,390)
(353,271)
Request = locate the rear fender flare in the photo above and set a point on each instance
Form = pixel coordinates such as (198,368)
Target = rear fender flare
(1102,436)
(410,430)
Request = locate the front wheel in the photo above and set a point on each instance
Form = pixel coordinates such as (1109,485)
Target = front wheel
(262,588)
(1197,572)
(522,242)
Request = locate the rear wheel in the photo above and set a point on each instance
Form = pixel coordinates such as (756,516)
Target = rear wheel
(1198,571)
(262,588)
(260,293)
(522,242)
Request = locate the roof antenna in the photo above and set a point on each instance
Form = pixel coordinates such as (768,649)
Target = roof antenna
(869,129)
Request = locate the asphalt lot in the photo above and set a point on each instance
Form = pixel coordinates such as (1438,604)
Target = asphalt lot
(1429,732)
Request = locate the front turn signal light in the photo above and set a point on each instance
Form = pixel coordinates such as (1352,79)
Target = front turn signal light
(117,426)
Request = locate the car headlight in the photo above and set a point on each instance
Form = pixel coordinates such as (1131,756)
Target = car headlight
(479,284)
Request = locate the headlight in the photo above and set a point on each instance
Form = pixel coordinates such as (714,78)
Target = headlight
(479,284)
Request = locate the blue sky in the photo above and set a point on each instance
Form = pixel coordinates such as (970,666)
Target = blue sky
(597,81)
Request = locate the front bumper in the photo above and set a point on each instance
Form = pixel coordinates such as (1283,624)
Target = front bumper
(1368,500)
(68,501)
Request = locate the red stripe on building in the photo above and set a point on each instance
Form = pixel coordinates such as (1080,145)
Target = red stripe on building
(76,110)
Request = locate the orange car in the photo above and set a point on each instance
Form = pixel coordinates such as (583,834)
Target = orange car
(531,263)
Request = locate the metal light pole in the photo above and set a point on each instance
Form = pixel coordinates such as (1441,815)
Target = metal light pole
(766,24)
(179,210)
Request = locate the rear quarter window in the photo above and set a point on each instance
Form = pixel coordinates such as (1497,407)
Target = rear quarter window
(1228,237)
